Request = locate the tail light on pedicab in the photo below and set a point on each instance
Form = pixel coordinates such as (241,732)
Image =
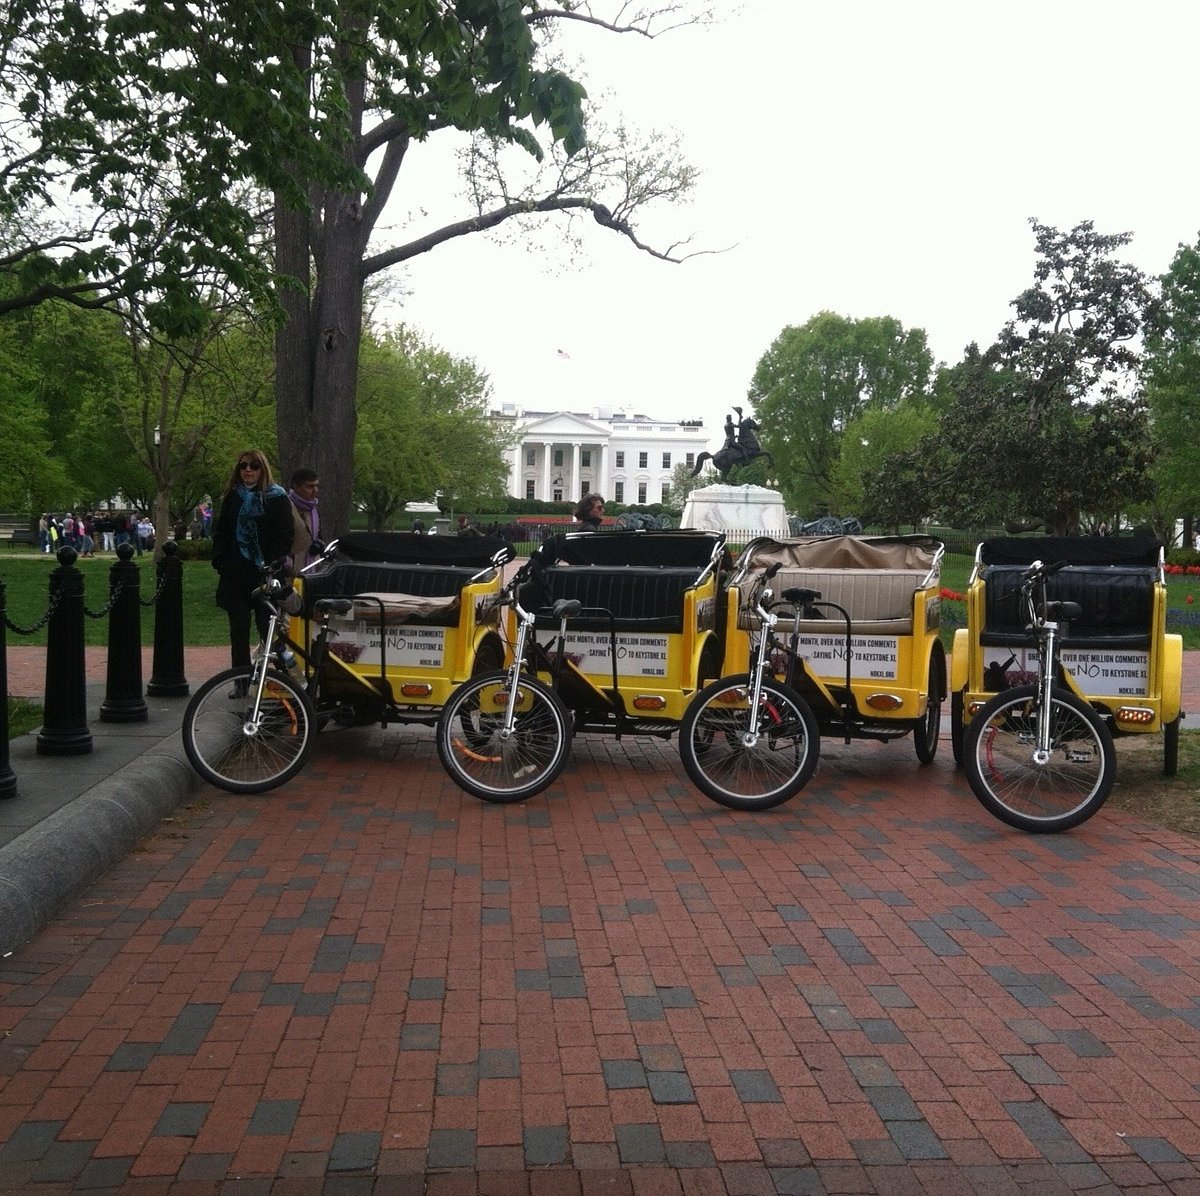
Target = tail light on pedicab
(1135,716)
(884,701)
(649,702)
(416,690)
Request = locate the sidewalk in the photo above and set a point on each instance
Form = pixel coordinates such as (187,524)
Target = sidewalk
(74,816)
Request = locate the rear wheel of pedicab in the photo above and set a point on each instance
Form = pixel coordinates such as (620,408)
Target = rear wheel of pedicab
(1171,747)
(1068,789)
(226,747)
(735,772)
(481,759)
(927,732)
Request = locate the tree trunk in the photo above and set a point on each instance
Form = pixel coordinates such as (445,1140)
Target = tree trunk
(337,332)
(293,343)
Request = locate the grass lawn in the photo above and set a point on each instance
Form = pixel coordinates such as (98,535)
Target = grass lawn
(26,578)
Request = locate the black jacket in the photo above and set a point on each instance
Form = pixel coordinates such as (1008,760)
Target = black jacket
(237,575)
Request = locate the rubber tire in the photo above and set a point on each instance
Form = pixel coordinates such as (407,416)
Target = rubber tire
(699,746)
(501,789)
(1064,701)
(1171,746)
(957,730)
(929,730)
(201,749)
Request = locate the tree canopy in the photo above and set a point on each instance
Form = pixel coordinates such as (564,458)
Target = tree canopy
(816,379)
(1173,392)
(1049,423)
(424,427)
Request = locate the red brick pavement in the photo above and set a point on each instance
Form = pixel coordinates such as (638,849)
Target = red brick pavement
(368,980)
(27,666)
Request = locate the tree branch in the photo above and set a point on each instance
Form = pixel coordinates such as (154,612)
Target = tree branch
(489,220)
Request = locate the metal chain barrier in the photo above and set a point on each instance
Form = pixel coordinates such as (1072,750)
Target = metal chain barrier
(162,581)
(41,622)
(112,598)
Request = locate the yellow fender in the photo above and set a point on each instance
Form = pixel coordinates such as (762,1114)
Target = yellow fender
(1172,678)
(960,660)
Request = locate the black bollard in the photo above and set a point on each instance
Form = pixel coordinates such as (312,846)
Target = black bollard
(123,701)
(8,778)
(64,716)
(166,677)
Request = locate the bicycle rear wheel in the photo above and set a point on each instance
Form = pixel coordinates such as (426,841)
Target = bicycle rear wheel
(225,746)
(479,757)
(738,774)
(998,757)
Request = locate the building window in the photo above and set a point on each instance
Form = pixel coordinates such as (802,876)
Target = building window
(530,485)
(643,460)
(690,459)
(618,491)
(641,494)
(558,457)
(557,495)
(620,461)
(531,456)
(666,460)
(585,458)
(666,491)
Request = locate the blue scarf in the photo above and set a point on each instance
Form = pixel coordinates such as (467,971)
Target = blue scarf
(249,514)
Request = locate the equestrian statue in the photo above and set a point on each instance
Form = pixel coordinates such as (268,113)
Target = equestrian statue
(740,448)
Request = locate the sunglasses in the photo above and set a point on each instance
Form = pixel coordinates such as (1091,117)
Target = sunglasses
(249,465)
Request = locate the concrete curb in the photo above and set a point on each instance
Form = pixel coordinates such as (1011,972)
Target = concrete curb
(44,868)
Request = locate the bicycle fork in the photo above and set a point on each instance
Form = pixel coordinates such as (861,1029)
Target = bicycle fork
(1048,655)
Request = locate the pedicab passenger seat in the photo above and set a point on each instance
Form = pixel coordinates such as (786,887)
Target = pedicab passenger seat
(873,578)
(640,576)
(402,577)
(1111,578)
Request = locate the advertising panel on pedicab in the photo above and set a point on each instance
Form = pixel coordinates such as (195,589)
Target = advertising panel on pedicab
(637,655)
(872,657)
(1098,673)
(359,643)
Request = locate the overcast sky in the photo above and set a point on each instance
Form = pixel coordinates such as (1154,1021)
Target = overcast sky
(868,158)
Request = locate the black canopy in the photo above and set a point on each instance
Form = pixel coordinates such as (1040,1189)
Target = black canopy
(675,549)
(1075,550)
(408,548)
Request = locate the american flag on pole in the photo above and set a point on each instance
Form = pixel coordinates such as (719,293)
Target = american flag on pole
(563,354)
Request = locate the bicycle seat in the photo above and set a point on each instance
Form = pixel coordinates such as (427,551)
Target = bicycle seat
(335,606)
(798,596)
(566,608)
(1063,610)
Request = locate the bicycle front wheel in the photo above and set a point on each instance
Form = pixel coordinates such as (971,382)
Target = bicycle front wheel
(231,749)
(740,771)
(490,764)
(998,755)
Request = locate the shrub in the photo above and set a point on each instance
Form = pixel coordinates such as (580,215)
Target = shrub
(194,550)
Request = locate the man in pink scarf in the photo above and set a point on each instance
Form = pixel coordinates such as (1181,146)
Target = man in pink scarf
(306,519)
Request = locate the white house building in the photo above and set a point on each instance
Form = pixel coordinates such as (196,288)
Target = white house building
(560,456)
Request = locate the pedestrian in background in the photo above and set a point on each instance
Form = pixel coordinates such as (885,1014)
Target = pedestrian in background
(253,528)
(306,518)
(590,512)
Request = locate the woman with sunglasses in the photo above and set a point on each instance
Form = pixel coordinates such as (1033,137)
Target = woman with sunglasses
(252,529)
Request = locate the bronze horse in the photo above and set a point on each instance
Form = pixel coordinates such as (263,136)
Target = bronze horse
(741,452)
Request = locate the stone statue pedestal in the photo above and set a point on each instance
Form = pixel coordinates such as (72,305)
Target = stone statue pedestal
(736,510)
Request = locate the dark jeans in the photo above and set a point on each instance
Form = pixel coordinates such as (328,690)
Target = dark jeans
(239,632)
